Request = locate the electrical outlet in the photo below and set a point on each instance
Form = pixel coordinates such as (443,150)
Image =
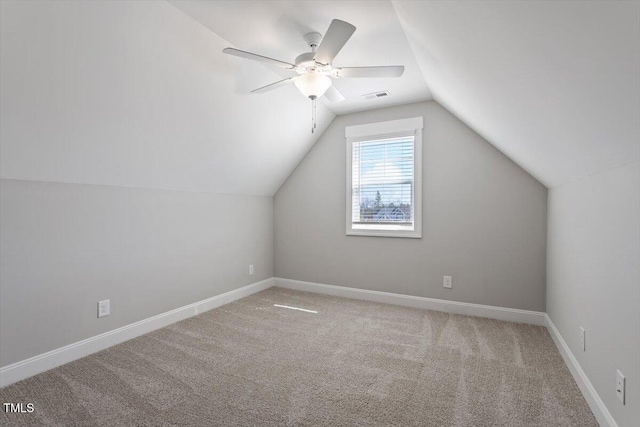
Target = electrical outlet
(620,383)
(447,282)
(582,339)
(251,270)
(104,308)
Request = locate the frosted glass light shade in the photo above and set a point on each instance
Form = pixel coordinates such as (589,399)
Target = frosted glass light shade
(312,85)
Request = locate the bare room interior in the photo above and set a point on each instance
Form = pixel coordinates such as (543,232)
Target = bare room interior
(320,213)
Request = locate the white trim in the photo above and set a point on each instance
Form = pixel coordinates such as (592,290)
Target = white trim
(374,130)
(600,411)
(51,359)
(383,128)
(468,309)
(43,362)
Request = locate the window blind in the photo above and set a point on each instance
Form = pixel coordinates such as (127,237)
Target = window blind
(383,180)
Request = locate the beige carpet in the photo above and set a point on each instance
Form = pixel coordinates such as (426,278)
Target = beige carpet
(353,363)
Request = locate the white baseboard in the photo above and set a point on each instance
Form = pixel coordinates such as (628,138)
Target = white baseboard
(43,362)
(596,404)
(468,309)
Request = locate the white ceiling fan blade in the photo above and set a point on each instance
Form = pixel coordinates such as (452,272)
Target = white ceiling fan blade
(337,35)
(255,57)
(334,95)
(388,71)
(272,86)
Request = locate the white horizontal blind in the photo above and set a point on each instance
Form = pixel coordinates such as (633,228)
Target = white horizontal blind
(383,181)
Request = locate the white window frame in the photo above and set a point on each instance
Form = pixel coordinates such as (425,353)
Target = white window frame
(380,130)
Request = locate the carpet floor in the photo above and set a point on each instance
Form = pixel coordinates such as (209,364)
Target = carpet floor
(250,363)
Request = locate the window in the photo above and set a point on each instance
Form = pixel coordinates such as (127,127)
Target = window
(384,179)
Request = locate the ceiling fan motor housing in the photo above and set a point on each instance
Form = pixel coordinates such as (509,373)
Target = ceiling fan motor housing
(305,61)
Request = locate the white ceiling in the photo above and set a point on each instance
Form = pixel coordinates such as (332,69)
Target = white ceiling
(555,85)
(276,29)
(139,94)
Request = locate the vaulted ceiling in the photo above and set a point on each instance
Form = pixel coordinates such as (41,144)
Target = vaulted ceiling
(276,29)
(555,85)
(139,94)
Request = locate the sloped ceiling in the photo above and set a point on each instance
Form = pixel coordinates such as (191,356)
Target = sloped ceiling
(555,85)
(276,29)
(139,94)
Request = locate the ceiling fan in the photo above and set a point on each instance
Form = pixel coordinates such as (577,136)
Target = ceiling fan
(314,68)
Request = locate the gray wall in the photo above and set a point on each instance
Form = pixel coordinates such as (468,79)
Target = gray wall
(593,279)
(484,220)
(66,246)
(123,94)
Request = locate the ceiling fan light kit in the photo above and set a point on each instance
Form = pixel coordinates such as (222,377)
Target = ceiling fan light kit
(315,69)
(312,85)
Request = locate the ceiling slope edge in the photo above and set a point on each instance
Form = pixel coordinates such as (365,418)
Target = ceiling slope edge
(323,125)
(443,104)
(562,80)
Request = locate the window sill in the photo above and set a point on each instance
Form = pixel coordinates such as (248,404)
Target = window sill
(385,233)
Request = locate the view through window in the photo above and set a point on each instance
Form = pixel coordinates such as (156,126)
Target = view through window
(384,173)
(382,181)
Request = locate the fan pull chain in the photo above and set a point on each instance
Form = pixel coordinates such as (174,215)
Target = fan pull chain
(314,115)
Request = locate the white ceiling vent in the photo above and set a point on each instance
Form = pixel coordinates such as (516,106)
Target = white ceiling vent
(373,95)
